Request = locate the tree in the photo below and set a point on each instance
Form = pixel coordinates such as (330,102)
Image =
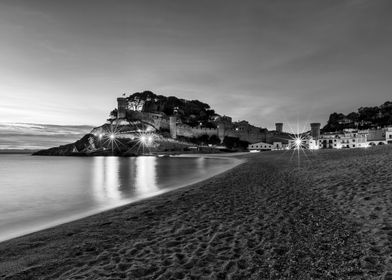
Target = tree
(113,113)
(214,140)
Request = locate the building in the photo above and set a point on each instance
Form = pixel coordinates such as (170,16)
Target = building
(351,138)
(260,146)
(378,137)
(388,135)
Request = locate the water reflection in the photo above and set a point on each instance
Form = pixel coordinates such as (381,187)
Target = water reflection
(106,179)
(117,178)
(146,175)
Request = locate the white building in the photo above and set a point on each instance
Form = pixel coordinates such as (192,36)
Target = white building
(351,138)
(347,139)
(278,146)
(388,135)
(260,146)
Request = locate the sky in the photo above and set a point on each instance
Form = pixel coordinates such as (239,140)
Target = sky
(38,136)
(65,62)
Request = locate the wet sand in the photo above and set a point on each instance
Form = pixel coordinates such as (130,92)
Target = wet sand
(329,218)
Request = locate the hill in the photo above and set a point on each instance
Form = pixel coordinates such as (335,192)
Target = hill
(191,112)
(364,118)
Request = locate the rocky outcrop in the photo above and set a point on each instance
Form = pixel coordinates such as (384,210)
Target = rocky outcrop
(81,147)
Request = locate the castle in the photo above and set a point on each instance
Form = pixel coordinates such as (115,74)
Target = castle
(151,115)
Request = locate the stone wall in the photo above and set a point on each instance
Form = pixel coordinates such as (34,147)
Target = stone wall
(159,121)
(190,132)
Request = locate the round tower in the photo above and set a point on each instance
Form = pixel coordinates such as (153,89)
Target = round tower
(279,127)
(221,131)
(121,107)
(315,128)
(173,127)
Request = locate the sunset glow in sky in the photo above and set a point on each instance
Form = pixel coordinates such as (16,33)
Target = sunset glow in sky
(65,62)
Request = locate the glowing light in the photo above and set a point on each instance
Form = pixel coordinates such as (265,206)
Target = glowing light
(298,142)
(146,140)
(110,137)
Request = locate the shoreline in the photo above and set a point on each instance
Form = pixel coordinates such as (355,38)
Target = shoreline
(264,219)
(75,217)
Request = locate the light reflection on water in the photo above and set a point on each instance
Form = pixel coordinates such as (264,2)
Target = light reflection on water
(36,192)
(115,179)
(105,179)
(146,181)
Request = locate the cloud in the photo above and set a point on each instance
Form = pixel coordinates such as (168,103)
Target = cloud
(39,136)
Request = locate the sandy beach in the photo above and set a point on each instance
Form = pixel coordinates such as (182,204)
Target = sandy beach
(268,218)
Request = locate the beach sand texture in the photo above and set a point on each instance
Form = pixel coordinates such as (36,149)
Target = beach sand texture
(329,218)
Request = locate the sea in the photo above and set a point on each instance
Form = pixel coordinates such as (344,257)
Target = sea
(38,192)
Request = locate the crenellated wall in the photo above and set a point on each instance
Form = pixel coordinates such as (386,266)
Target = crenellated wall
(187,131)
(161,121)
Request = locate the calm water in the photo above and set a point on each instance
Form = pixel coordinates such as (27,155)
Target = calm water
(38,192)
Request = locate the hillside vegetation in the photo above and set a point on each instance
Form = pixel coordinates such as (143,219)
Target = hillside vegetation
(364,118)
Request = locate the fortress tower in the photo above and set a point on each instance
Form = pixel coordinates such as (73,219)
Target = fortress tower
(221,131)
(315,128)
(279,127)
(173,127)
(121,107)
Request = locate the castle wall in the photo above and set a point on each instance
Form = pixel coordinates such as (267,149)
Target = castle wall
(156,120)
(191,132)
(160,121)
(251,136)
(221,132)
